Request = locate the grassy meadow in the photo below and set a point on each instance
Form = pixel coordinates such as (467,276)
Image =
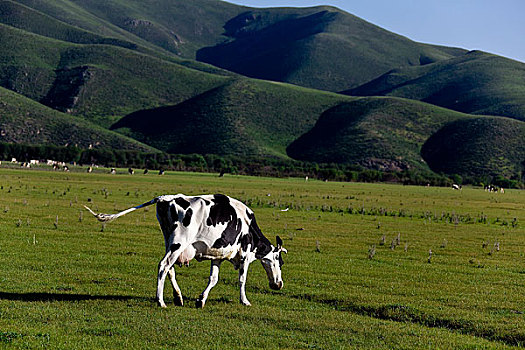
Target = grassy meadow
(357,273)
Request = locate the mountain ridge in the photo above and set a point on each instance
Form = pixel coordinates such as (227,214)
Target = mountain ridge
(477,83)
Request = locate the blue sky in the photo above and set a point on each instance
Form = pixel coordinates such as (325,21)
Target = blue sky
(496,26)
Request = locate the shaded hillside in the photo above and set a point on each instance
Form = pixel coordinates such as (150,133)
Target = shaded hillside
(100,82)
(320,47)
(478,146)
(397,134)
(477,83)
(378,133)
(243,117)
(25,121)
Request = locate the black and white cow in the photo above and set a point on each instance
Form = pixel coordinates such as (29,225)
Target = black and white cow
(209,227)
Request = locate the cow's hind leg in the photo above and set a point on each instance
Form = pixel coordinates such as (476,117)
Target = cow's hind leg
(214,278)
(243,272)
(177,294)
(165,265)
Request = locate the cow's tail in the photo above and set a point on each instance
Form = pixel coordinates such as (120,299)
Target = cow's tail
(110,217)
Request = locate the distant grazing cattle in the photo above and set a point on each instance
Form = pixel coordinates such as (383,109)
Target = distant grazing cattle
(89,169)
(131,171)
(145,171)
(161,172)
(209,227)
(457,187)
(113,171)
(492,188)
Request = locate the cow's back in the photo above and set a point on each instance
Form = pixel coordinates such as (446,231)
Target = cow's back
(212,225)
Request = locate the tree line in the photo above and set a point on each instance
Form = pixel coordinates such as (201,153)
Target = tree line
(242,165)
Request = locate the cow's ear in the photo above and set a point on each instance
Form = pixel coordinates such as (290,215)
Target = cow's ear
(279,242)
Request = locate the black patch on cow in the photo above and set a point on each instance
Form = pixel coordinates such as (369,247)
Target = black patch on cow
(279,246)
(163,209)
(229,235)
(187,217)
(221,211)
(167,215)
(256,238)
(173,213)
(182,203)
(174,247)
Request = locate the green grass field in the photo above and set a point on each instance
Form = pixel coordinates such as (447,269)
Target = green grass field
(66,282)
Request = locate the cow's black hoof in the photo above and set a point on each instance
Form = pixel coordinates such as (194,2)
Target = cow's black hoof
(199,304)
(178,301)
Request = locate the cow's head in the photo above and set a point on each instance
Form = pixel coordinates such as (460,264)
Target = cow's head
(272,263)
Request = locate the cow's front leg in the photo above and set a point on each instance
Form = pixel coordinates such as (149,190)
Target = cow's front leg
(243,271)
(177,294)
(165,265)
(214,278)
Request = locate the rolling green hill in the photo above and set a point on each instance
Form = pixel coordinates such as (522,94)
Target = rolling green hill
(179,27)
(25,121)
(396,134)
(321,47)
(244,117)
(379,133)
(98,82)
(487,146)
(476,83)
(33,21)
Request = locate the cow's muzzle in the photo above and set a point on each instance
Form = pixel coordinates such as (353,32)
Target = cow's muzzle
(276,286)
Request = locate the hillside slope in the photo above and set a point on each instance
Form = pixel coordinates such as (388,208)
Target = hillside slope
(476,83)
(320,47)
(97,82)
(28,19)
(25,121)
(380,133)
(242,117)
(179,27)
(397,134)
(482,146)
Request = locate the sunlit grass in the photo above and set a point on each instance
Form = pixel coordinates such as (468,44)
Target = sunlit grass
(67,283)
